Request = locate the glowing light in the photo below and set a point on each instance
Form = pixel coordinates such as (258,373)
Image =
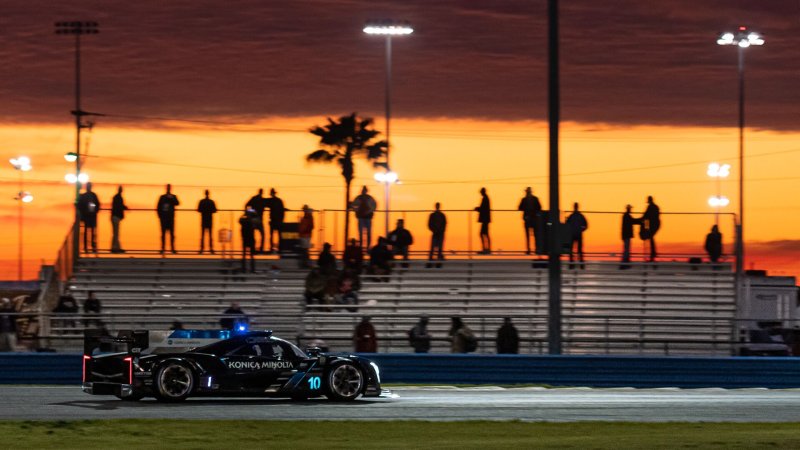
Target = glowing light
(71,178)
(386,177)
(130,369)
(389,28)
(718,202)
(26,197)
(85,358)
(717,170)
(71,157)
(22,163)
(743,38)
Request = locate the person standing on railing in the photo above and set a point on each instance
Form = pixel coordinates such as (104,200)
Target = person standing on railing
(258,203)
(248,227)
(304,230)
(576,224)
(277,212)
(88,206)
(651,221)
(117,214)
(437,223)
(531,210)
(627,234)
(166,215)
(485,218)
(714,244)
(207,208)
(364,206)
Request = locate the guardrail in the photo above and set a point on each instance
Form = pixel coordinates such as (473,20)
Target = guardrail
(586,371)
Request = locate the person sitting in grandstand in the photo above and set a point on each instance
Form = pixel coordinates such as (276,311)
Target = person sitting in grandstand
(233,316)
(316,287)
(91,310)
(364,339)
(418,336)
(326,261)
(400,239)
(353,257)
(462,338)
(346,295)
(380,259)
(66,308)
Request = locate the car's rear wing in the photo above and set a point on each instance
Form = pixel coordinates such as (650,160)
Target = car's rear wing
(134,341)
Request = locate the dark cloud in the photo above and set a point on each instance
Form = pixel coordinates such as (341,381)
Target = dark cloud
(624,61)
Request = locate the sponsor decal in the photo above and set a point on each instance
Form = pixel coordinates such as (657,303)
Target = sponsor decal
(259,365)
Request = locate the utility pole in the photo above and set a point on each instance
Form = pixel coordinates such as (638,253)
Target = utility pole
(77,29)
(554,260)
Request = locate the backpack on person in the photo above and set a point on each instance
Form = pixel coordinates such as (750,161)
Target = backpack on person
(470,342)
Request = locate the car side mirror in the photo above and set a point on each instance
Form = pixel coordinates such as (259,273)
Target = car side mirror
(313,351)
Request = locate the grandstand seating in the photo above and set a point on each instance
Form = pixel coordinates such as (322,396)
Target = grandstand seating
(652,308)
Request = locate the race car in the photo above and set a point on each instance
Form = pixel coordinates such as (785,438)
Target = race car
(220,363)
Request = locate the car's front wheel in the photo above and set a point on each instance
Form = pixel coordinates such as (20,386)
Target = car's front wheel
(345,382)
(174,382)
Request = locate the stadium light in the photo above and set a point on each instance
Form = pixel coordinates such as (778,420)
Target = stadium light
(718,201)
(81,178)
(71,157)
(742,39)
(21,164)
(388,28)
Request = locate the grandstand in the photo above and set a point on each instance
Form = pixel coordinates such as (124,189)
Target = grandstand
(652,308)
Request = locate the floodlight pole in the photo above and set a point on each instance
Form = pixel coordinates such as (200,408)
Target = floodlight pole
(77,29)
(554,260)
(740,231)
(387,185)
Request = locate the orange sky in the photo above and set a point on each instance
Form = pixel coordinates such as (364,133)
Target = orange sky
(602,167)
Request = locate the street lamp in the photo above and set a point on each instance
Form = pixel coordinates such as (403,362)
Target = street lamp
(81,178)
(718,172)
(742,39)
(77,29)
(388,28)
(22,164)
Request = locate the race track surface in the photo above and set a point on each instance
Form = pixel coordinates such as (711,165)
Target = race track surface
(529,404)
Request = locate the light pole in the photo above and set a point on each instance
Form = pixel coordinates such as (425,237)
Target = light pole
(742,39)
(554,316)
(388,28)
(718,172)
(77,29)
(22,164)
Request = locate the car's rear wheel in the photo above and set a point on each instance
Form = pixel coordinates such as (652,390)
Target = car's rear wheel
(174,382)
(345,382)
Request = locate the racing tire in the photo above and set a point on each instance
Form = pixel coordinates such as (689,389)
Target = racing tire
(345,381)
(173,382)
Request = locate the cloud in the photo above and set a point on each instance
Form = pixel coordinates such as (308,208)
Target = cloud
(623,61)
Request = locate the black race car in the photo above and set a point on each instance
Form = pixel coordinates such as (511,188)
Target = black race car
(184,363)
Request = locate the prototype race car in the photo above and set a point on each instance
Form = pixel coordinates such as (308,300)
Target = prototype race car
(183,363)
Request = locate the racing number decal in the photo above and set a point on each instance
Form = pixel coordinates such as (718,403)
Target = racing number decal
(314,383)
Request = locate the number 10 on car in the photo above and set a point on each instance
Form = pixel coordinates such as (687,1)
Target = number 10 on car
(314,383)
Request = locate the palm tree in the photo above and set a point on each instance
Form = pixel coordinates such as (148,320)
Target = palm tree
(342,140)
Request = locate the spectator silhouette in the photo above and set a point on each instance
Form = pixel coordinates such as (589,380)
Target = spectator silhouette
(364,206)
(207,208)
(353,257)
(531,212)
(462,338)
(166,216)
(507,338)
(576,225)
(88,206)
(627,234)
(418,336)
(248,227)
(364,339)
(92,309)
(400,239)
(315,287)
(67,306)
(714,244)
(304,230)
(651,221)
(327,261)
(277,212)
(437,224)
(485,218)
(233,316)
(257,203)
(117,214)
(380,258)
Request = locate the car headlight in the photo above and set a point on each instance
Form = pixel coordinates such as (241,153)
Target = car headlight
(377,370)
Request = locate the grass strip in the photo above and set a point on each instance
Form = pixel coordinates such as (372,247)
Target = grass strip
(203,434)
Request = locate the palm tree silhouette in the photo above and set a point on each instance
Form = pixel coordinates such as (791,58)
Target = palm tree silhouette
(342,140)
